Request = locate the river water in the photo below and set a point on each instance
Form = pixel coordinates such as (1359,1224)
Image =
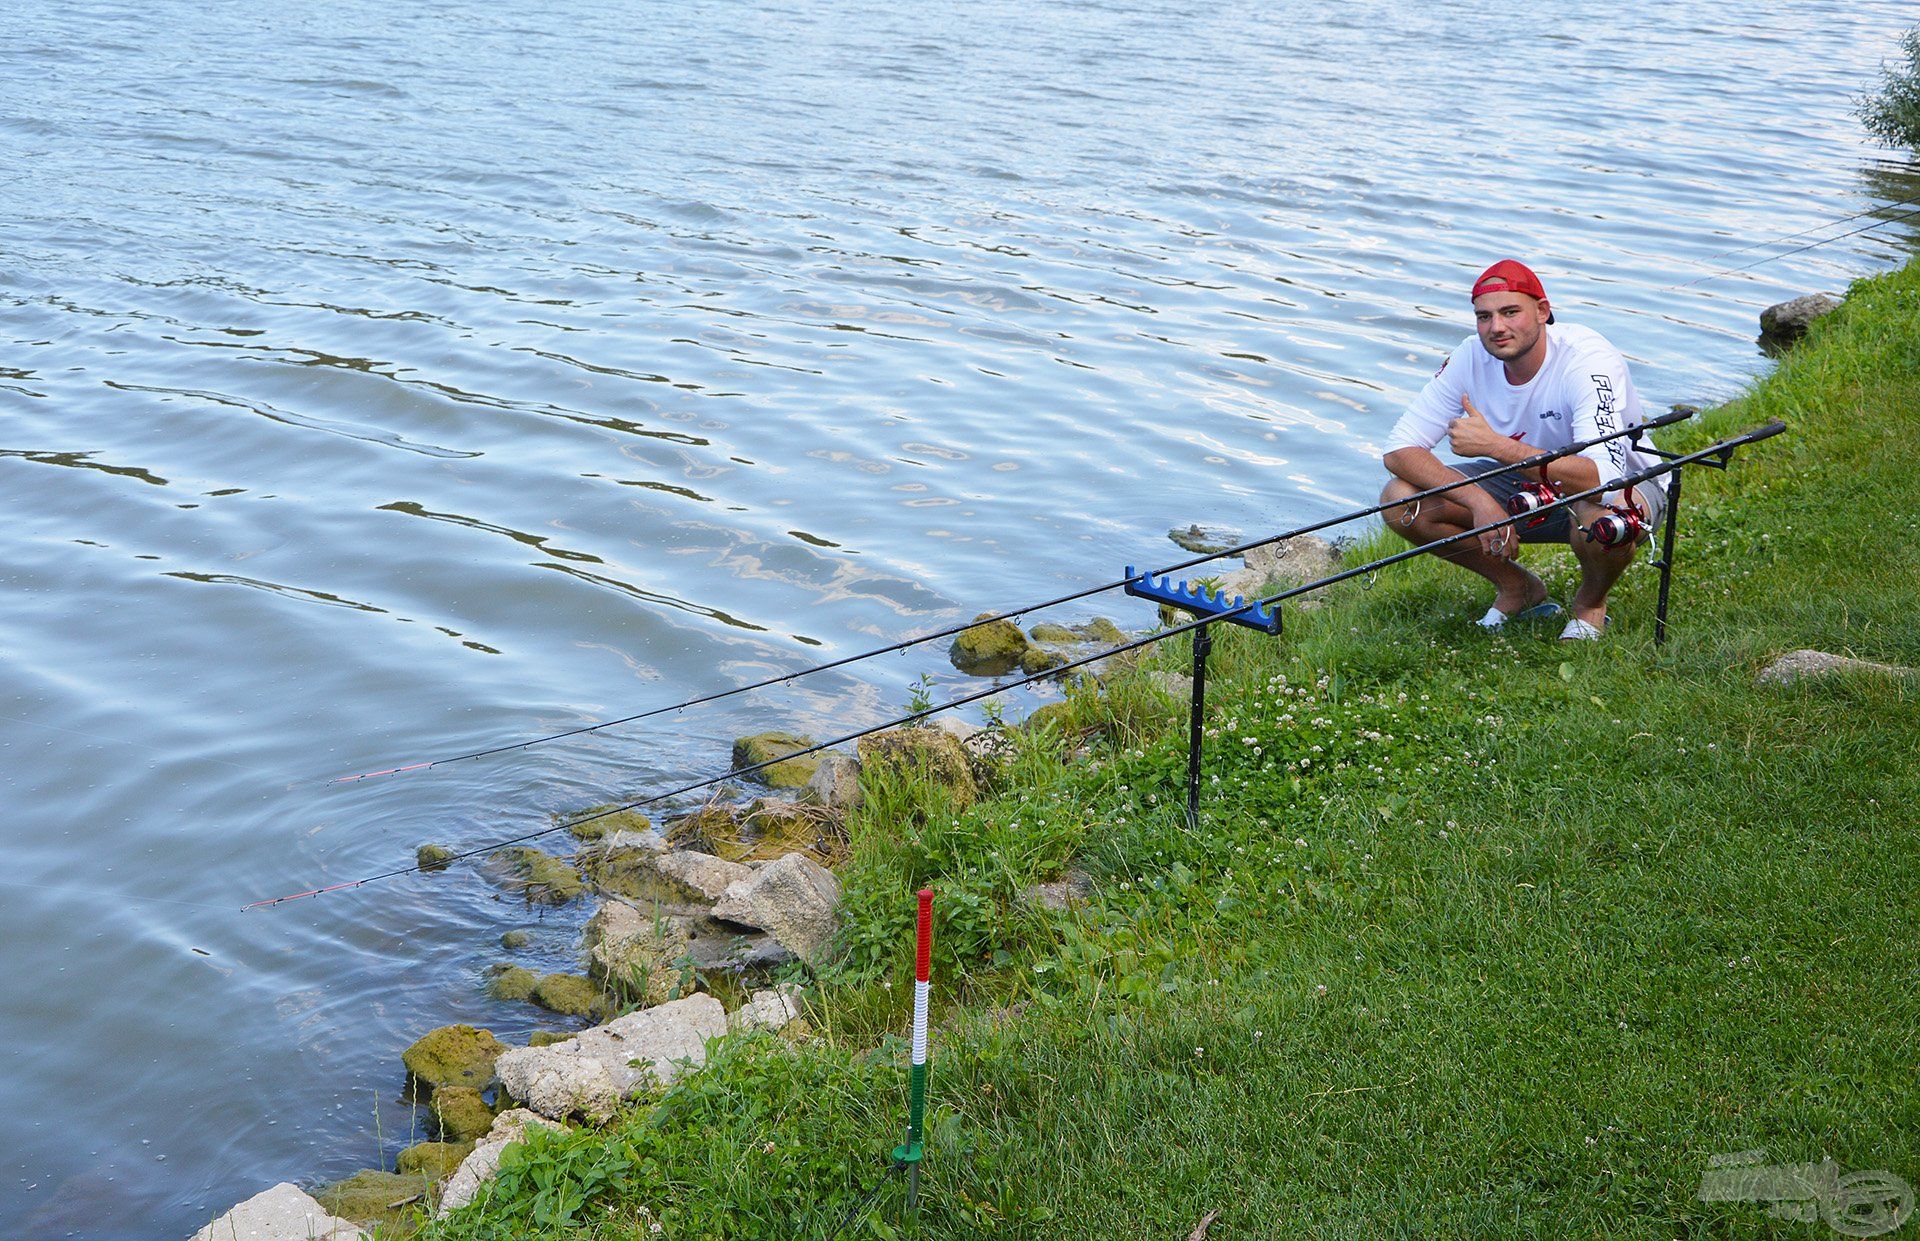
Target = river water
(385,381)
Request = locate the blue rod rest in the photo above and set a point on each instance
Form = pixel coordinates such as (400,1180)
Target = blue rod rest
(1202,601)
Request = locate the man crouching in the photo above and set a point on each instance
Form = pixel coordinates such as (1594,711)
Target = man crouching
(1521,386)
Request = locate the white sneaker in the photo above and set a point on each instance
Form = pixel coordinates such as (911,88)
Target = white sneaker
(1546,609)
(1578,630)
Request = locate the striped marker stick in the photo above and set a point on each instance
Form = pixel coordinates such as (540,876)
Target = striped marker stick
(915,1147)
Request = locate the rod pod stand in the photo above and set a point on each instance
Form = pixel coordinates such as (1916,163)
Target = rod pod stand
(1201,602)
(1716,461)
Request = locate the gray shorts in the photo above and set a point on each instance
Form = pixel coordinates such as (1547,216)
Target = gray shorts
(1649,497)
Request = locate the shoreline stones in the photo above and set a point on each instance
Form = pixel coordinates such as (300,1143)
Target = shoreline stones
(372,1197)
(930,754)
(457,1055)
(541,878)
(459,1113)
(282,1213)
(796,900)
(484,1160)
(772,748)
(996,647)
(590,1073)
(1782,325)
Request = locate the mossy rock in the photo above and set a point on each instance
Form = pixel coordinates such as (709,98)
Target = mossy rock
(631,873)
(369,1198)
(1039,659)
(1057,714)
(543,878)
(1100,629)
(1047,631)
(453,1056)
(989,650)
(793,773)
(510,982)
(435,1161)
(460,1114)
(432,857)
(511,940)
(547,1038)
(932,755)
(571,994)
(608,822)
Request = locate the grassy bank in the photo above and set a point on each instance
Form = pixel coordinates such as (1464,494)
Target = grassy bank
(1478,936)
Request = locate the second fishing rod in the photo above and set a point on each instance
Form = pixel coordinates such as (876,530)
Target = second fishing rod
(1533,462)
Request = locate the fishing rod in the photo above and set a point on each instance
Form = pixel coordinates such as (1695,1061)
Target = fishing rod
(1723,450)
(1538,459)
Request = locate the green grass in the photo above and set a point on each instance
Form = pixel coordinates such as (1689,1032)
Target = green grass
(1478,937)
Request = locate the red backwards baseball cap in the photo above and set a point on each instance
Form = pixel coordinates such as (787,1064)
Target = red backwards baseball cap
(1511,276)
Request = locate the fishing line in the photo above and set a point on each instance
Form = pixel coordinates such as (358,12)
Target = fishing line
(1755,245)
(1723,448)
(1812,245)
(1531,462)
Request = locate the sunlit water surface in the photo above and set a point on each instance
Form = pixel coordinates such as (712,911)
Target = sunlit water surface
(382,381)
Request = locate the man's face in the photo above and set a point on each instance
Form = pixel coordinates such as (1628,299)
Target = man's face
(1509,323)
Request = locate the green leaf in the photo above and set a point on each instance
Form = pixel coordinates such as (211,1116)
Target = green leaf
(1566,672)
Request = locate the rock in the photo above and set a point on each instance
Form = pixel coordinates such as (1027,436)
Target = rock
(632,873)
(1065,892)
(372,1197)
(283,1213)
(1295,561)
(770,1010)
(1047,631)
(547,1038)
(989,650)
(920,754)
(638,954)
(459,1113)
(793,773)
(717,947)
(453,1056)
(1783,324)
(573,995)
(436,1161)
(479,1167)
(542,878)
(1813,665)
(591,1072)
(432,857)
(957,728)
(1038,659)
(600,822)
(796,900)
(511,940)
(835,785)
(510,982)
(1205,540)
(1051,715)
(1177,685)
(700,874)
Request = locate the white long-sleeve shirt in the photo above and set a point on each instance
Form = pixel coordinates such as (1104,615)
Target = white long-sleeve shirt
(1581,390)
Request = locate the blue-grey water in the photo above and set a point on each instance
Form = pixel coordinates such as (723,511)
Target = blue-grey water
(385,380)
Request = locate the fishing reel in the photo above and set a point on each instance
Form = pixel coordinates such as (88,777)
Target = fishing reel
(1619,526)
(1531,498)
